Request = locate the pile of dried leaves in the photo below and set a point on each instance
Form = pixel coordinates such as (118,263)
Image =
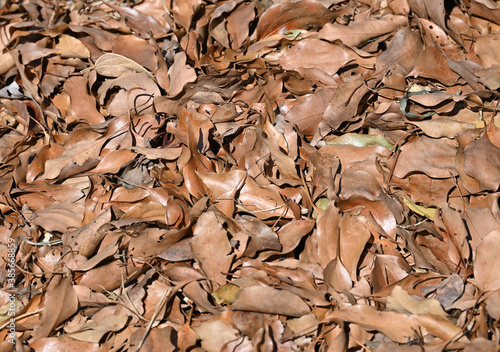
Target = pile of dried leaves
(240,175)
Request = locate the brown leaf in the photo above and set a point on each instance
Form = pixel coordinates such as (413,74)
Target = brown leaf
(315,53)
(285,150)
(485,49)
(60,344)
(136,49)
(60,216)
(396,347)
(31,51)
(358,33)
(108,276)
(307,114)
(328,234)
(136,91)
(266,299)
(437,128)
(429,191)
(482,161)
(490,77)
(78,155)
(85,240)
(398,327)
(435,158)
(82,104)
(353,239)
(387,270)
(115,65)
(61,302)
(486,263)
(224,188)
(440,327)
(93,331)
(343,107)
(183,12)
(401,54)
(214,334)
(263,202)
(401,301)
(143,25)
(291,234)
(238,24)
(114,161)
(493,304)
(158,339)
(261,237)
(435,66)
(337,277)
(211,248)
(480,344)
(180,74)
(283,17)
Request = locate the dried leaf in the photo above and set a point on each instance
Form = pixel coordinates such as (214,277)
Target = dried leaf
(226,294)
(435,158)
(283,17)
(486,263)
(398,327)
(428,212)
(93,331)
(482,161)
(60,344)
(401,54)
(401,301)
(265,299)
(115,65)
(180,74)
(253,162)
(360,140)
(360,32)
(214,334)
(314,53)
(210,247)
(437,128)
(61,302)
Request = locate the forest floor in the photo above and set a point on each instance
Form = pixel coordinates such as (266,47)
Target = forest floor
(199,175)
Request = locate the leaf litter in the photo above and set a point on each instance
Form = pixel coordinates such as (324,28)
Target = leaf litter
(249,175)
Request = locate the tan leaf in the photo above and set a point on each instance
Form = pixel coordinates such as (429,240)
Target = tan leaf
(78,155)
(266,299)
(115,65)
(398,327)
(93,331)
(401,301)
(314,53)
(482,161)
(85,240)
(211,248)
(401,54)
(61,302)
(224,187)
(283,17)
(69,46)
(180,74)
(487,263)
(438,128)
(64,343)
(214,334)
(435,158)
(60,216)
(353,239)
(358,33)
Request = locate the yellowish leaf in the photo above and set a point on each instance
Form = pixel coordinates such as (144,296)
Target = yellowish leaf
(420,210)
